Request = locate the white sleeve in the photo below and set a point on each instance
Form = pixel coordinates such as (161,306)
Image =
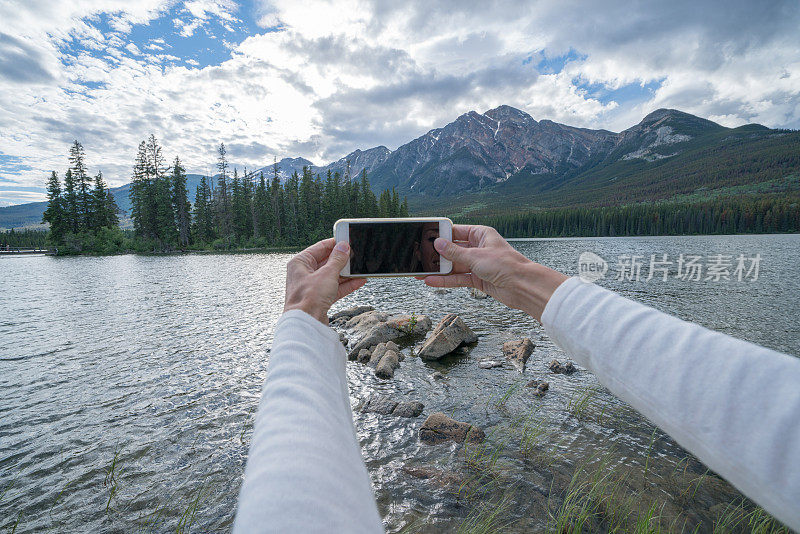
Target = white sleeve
(304,470)
(733,404)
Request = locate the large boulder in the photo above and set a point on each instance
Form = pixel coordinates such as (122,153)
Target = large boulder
(389,362)
(364,321)
(439,428)
(449,334)
(518,352)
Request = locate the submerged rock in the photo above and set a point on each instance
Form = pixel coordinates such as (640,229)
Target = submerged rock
(438,375)
(518,352)
(386,406)
(488,364)
(449,334)
(436,476)
(389,362)
(408,409)
(564,369)
(540,387)
(379,404)
(438,428)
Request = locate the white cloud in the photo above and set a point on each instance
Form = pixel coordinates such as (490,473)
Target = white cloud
(355,74)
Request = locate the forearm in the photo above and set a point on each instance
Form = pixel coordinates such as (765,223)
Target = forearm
(304,470)
(733,404)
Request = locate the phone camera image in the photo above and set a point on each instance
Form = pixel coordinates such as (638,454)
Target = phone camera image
(403,247)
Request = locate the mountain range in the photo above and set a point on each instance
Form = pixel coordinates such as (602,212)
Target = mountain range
(505,160)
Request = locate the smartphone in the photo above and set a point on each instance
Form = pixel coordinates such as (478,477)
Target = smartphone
(394,247)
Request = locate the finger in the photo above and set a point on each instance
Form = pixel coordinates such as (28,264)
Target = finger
(450,280)
(337,259)
(352,284)
(461,232)
(453,252)
(320,250)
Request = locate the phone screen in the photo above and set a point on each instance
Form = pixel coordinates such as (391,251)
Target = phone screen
(396,247)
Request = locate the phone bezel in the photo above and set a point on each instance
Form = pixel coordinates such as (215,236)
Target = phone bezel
(341,232)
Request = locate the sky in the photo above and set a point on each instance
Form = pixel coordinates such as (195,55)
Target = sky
(290,78)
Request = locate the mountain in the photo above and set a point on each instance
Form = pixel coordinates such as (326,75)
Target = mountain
(504,160)
(358,160)
(286,167)
(476,151)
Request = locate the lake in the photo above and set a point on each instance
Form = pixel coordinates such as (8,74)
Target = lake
(128,389)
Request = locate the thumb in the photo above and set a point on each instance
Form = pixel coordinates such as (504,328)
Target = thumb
(338,258)
(452,252)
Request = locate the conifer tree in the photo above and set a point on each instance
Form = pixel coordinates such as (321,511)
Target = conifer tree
(71,207)
(83,194)
(203,224)
(54,214)
(223,204)
(180,203)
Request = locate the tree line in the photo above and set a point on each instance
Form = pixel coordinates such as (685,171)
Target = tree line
(772,214)
(230,210)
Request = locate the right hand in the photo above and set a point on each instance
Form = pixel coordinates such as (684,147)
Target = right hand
(484,260)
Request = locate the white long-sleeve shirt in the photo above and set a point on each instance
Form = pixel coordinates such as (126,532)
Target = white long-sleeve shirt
(735,405)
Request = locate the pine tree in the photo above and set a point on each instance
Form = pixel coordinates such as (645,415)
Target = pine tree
(83,194)
(102,213)
(71,207)
(54,214)
(223,204)
(276,201)
(203,226)
(180,203)
(139,195)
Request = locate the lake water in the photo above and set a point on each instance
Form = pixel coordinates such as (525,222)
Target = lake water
(128,388)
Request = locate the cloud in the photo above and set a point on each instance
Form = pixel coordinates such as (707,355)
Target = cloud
(22,62)
(319,79)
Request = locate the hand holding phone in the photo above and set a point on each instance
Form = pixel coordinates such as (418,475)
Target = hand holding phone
(394,247)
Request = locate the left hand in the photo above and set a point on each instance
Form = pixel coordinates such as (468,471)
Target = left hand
(313,283)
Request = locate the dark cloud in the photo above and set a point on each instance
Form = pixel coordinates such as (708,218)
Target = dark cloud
(21,62)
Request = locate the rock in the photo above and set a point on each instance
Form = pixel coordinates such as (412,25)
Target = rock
(439,428)
(488,364)
(438,375)
(379,350)
(540,387)
(386,406)
(477,293)
(518,352)
(364,321)
(408,409)
(564,369)
(441,291)
(363,356)
(436,476)
(379,404)
(450,333)
(343,339)
(389,362)
(344,315)
(411,324)
(395,327)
